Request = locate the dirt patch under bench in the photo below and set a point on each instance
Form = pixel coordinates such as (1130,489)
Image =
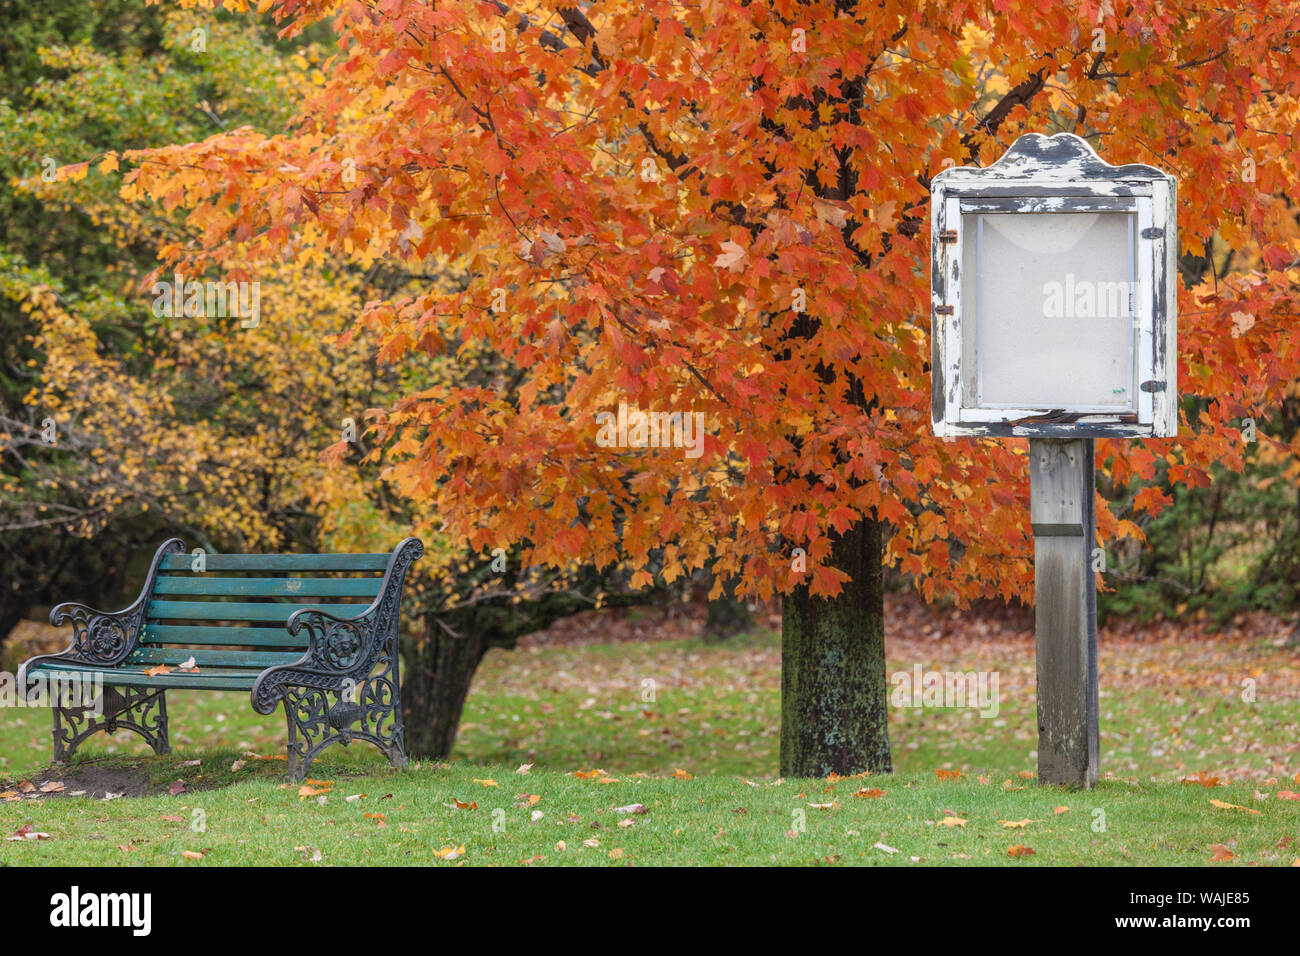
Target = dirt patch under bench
(91,780)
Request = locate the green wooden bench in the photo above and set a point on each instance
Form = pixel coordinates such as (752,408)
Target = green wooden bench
(254,622)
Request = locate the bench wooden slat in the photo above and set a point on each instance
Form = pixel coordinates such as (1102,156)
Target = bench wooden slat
(280,562)
(128,675)
(212,657)
(268,587)
(238,611)
(222,636)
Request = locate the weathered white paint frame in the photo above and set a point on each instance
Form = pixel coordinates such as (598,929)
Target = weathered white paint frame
(1057,174)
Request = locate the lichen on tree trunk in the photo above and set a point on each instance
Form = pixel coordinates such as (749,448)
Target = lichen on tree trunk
(834,700)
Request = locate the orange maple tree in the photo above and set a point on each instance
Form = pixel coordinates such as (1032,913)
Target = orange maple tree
(720,208)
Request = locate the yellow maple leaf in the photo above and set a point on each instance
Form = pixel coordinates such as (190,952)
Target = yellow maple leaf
(1233,806)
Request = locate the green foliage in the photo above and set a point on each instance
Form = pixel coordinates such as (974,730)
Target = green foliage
(1225,548)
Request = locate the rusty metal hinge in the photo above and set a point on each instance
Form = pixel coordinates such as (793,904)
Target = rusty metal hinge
(947,235)
(943,310)
(1152,232)
(1152,386)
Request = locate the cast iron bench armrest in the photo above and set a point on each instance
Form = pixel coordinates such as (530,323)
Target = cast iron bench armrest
(341,649)
(103,638)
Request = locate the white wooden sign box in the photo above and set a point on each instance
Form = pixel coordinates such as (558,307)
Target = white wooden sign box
(1054,296)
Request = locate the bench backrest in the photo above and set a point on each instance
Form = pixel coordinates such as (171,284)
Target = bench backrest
(233,613)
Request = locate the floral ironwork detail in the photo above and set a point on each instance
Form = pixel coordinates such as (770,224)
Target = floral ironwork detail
(346,686)
(139,709)
(104,638)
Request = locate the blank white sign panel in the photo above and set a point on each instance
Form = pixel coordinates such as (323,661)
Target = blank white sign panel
(1047,296)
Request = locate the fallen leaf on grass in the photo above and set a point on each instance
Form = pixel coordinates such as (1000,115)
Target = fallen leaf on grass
(1020,850)
(1026,774)
(592,843)
(353,798)
(1202,778)
(191,855)
(885,848)
(52,786)
(126,848)
(524,768)
(28,832)
(1220,852)
(616,853)
(172,818)
(10,795)
(177,788)
(1016,824)
(870,794)
(1288,795)
(1061,810)
(378,818)
(190,763)
(561,847)
(461,805)
(951,822)
(632,808)
(450,853)
(487,783)
(823,806)
(535,858)
(949,774)
(1232,806)
(237,766)
(306,791)
(681,774)
(26,786)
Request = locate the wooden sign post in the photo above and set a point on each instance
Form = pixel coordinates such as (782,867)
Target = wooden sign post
(1054,318)
(1065,609)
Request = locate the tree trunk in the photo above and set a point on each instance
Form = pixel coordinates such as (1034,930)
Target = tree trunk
(834,700)
(436,677)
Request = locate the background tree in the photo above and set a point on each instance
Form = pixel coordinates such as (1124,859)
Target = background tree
(194,424)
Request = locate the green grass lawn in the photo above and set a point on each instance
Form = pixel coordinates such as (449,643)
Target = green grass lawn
(689,732)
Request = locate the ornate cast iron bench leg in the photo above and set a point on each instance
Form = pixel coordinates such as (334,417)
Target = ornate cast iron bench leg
(106,639)
(144,711)
(346,687)
(318,717)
